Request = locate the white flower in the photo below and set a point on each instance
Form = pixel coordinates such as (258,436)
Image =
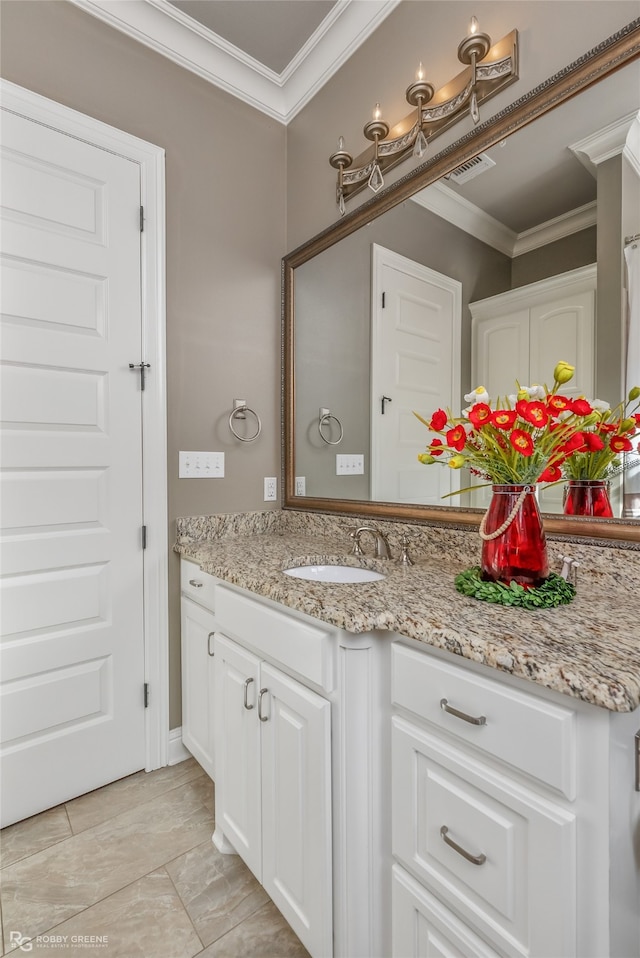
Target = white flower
(479,394)
(536,391)
(600,405)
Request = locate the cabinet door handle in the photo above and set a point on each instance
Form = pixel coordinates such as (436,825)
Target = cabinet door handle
(472,719)
(195,583)
(474,859)
(209,644)
(263,718)
(246,690)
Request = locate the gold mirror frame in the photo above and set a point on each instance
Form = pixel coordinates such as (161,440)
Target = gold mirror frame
(606,58)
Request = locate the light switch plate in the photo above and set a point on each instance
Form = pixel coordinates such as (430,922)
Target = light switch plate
(350,465)
(201,465)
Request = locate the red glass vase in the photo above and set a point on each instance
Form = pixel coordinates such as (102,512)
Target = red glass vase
(519,552)
(588,497)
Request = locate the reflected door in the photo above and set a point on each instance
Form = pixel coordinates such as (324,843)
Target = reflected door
(415,366)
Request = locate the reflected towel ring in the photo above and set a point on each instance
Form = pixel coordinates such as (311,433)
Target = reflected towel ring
(325,419)
(240,409)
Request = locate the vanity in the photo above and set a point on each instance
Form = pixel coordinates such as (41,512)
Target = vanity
(406,770)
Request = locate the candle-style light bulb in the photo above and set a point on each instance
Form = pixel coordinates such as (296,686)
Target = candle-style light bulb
(341,143)
(420,73)
(473,26)
(377,112)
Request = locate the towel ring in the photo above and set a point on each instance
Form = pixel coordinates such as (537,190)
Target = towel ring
(240,409)
(323,420)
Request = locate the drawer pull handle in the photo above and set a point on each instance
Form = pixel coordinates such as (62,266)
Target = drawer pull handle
(195,583)
(472,719)
(474,859)
(263,718)
(246,690)
(209,644)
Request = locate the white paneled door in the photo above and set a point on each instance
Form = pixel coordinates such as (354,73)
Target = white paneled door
(416,319)
(72,653)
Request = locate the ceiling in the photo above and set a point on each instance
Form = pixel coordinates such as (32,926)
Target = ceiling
(270,31)
(273,54)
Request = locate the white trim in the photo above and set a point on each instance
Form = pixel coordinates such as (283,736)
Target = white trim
(177,751)
(579,280)
(150,159)
(450,206)
(603,144)
(164,28)
(557,228)
(447,204)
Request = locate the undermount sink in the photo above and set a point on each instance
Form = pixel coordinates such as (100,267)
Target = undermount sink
(333,573)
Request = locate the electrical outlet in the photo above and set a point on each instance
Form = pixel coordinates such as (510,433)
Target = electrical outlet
(201,465)
(301,486)
(350,465)
(270,489)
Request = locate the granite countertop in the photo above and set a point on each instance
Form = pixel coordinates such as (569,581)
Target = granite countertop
(589,649)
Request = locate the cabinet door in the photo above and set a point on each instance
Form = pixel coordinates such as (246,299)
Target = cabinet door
(424,928)
(499,354)
(296,806)
(564,328)
(238,800)
(197,629)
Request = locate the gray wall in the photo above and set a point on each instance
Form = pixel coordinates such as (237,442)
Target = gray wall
(225,238)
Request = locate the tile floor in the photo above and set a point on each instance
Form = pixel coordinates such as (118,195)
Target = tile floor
(132,864)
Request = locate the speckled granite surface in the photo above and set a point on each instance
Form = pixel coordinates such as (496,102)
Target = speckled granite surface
(589,649)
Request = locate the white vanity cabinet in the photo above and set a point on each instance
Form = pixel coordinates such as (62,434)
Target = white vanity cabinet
(273,799)
(302,769)
(273,790)
(197,628)
(503,804)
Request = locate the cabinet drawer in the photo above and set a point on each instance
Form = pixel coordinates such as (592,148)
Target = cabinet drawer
(423,928)
(198,585)
(528,733)
(499,855)
(304,648)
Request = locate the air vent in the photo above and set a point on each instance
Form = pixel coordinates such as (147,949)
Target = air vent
(471,168)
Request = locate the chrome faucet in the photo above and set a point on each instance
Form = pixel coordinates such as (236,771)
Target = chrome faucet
(382,550)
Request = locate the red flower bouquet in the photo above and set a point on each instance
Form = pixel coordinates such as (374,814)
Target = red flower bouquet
(521,439)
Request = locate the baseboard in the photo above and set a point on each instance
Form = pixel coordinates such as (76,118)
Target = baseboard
(177,751)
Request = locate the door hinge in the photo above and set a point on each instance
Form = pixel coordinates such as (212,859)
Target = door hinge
(383,298)
(144,537)
(146,695)
(142,219)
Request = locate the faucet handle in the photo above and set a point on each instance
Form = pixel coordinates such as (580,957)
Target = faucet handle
(405,558)
(357,548)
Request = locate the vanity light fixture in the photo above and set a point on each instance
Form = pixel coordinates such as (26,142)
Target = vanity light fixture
(488,69)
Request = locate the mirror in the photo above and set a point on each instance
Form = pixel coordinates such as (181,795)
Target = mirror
(328,282)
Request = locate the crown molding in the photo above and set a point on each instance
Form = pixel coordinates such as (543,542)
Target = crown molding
(167,30)
(557,228)
(444,202)
(603,144)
